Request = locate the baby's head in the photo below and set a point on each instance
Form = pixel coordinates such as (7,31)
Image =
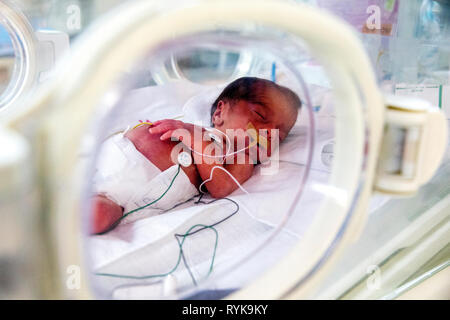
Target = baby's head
(257,102)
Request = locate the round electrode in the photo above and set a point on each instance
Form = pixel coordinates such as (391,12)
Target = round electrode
(184,159)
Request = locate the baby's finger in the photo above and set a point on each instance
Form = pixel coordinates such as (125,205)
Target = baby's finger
(166,135)
(157,122)
(163,127)
(160,128)
(162,121)
(177,135)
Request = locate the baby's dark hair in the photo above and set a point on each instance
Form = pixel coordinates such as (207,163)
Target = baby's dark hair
(251,89)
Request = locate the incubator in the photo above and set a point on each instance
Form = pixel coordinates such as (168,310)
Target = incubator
(305,224)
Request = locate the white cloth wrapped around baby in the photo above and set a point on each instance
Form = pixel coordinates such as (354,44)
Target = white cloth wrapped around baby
(128,178)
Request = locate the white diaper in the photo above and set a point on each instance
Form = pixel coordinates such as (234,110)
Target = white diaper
(129,179)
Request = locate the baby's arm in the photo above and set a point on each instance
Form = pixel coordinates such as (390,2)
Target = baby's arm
(219,184)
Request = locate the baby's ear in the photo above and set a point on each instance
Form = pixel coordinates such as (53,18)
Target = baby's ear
(217,118)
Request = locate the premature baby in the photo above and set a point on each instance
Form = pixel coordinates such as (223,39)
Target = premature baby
(142,162)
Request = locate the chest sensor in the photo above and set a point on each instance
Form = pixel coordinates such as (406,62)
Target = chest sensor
(185,159)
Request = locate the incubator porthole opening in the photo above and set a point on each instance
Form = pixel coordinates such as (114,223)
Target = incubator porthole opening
(7,59)
(191,254)
(19,54)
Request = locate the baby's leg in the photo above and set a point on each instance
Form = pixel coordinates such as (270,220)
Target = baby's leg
(104,214)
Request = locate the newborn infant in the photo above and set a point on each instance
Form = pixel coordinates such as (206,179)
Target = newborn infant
(143,173)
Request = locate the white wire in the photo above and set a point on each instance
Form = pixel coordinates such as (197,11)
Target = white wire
(231,176)
(266,222)
(221,156)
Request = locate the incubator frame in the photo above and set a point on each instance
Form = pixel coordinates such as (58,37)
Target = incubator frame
(186,44)
(162,75)
(78,88)
(25,45)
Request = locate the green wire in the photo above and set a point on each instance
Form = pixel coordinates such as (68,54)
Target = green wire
(180,244)
(178,260)
(143,207)
(153,202)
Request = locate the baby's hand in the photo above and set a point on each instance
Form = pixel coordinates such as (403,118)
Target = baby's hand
(172,129)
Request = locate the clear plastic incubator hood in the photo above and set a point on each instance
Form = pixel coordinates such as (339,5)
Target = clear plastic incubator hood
(115,214)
